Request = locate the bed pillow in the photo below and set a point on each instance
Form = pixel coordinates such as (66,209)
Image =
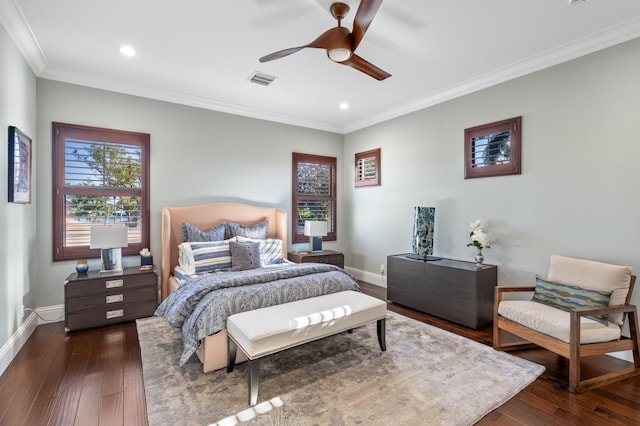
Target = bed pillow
(192,233)
(258,231)
(567,297)
(244,255)
(270,250)
(204,257)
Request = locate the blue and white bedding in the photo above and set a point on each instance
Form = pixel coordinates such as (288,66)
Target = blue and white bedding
(202,304)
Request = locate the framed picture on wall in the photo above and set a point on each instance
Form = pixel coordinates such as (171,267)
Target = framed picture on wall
(19,166)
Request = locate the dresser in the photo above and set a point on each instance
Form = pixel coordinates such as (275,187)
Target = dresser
(92,300)
(458,291)
(324,256)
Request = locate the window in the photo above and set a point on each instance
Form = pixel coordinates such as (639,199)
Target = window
(100,176)
(493,149)
(368,168)
(314,193)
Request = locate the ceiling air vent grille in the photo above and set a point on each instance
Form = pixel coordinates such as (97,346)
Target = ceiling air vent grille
(262,78)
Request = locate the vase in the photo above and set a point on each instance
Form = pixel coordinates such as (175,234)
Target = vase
(423,223)
(82,266)
(479,257)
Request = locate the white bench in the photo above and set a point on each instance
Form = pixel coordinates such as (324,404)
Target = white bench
(269,330)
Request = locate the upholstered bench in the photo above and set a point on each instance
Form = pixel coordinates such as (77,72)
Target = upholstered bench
(269,330)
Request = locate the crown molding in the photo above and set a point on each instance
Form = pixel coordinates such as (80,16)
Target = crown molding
(15,24)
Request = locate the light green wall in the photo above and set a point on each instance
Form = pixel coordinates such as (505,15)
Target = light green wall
(17,221)
(577,194)
(196,156)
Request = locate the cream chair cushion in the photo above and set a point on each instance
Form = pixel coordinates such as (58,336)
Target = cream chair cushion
(594,276)
(555,322)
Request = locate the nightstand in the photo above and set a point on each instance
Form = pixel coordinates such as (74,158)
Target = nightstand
(91,300)
(324,256)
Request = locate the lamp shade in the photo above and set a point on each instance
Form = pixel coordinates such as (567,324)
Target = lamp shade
(315,228)
(108,236)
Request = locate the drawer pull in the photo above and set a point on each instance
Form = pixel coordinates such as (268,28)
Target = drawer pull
(115,298)
(115,314)
(114,283)
(323,259)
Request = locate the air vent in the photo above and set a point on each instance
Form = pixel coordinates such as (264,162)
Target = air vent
(262,78)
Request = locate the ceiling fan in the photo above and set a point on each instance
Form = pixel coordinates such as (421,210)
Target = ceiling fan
(340,43)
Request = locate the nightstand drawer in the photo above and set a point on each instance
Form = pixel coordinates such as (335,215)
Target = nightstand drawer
(111,298)
(108,284)
(119,312)
(324,256)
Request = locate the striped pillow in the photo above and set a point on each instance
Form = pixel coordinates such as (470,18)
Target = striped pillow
(567,297)
(270,250)
(204,257)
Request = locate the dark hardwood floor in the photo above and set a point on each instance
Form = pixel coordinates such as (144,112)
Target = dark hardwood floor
(95,378)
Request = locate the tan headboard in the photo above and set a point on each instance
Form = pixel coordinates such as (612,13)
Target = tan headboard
(204,216)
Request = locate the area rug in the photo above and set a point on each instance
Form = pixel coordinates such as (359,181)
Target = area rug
(427,376)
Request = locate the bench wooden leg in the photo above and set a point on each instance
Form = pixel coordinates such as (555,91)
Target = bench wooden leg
(231,354)
(381,334)
(254,380)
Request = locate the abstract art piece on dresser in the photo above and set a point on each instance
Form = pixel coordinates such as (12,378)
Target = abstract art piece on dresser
(423,226)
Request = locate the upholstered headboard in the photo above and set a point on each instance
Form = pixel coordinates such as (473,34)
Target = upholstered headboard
(204,216)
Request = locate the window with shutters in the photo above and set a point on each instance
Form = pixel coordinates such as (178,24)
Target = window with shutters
(493,149)
(368,168)
(314,193)
(100,176)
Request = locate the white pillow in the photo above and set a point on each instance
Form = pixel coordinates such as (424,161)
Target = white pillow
(203,257)
(270,250)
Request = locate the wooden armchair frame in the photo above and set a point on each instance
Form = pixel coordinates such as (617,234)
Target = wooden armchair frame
(573,351)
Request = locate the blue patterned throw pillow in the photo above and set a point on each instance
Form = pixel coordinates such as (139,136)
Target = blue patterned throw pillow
(258,231)
(192,233)
(567,297)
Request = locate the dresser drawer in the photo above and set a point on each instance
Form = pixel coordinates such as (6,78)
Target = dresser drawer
(333,259)
(115,297)
(114,314)
(108,284)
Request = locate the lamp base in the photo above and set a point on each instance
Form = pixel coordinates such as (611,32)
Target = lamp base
(315,243)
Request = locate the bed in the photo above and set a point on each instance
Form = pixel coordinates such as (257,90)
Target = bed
(212,349)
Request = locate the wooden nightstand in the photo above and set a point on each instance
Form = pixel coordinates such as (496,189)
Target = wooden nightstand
(91,300)
(324,256)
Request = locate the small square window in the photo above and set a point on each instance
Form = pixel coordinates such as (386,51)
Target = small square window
(367,168)
(493,149)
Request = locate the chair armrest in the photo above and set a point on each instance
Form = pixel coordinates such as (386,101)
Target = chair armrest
(602,310)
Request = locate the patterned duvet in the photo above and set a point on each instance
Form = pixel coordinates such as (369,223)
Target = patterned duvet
(201,305)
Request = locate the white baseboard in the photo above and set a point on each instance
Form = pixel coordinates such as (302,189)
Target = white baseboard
(16,341)
(40,316)
(370,277)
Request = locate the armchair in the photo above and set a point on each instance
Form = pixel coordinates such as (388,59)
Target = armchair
(578,311)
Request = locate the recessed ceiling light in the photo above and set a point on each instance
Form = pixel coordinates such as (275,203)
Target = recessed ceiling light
(344,105)
(575,1)
(127,50)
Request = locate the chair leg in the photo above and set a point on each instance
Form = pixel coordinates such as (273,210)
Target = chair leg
(382,334)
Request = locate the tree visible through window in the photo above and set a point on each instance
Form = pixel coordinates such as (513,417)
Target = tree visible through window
(100,176)
(314,193)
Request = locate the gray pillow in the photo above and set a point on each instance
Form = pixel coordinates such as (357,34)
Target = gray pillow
(244,255)
(191,234)
(258,231)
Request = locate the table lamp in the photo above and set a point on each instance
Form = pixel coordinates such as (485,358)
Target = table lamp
(109,239)
(315,230)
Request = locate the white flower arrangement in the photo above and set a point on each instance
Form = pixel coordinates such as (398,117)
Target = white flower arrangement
(479,239)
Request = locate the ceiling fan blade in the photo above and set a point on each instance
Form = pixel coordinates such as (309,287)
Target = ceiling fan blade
(326,40)
(365,14)
(281,54)
(366,67)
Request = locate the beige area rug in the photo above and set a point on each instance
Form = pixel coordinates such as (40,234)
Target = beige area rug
(427,376)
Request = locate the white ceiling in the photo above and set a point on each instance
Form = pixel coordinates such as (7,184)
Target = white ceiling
(202,52)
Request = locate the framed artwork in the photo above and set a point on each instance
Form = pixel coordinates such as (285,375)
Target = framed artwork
(493,149)
(19,166)
(368,168)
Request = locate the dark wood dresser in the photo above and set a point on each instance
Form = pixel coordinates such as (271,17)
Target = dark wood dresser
(324,256)
(91,300)
(458,291)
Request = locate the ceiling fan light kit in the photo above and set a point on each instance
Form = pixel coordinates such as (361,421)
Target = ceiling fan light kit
(340,43)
